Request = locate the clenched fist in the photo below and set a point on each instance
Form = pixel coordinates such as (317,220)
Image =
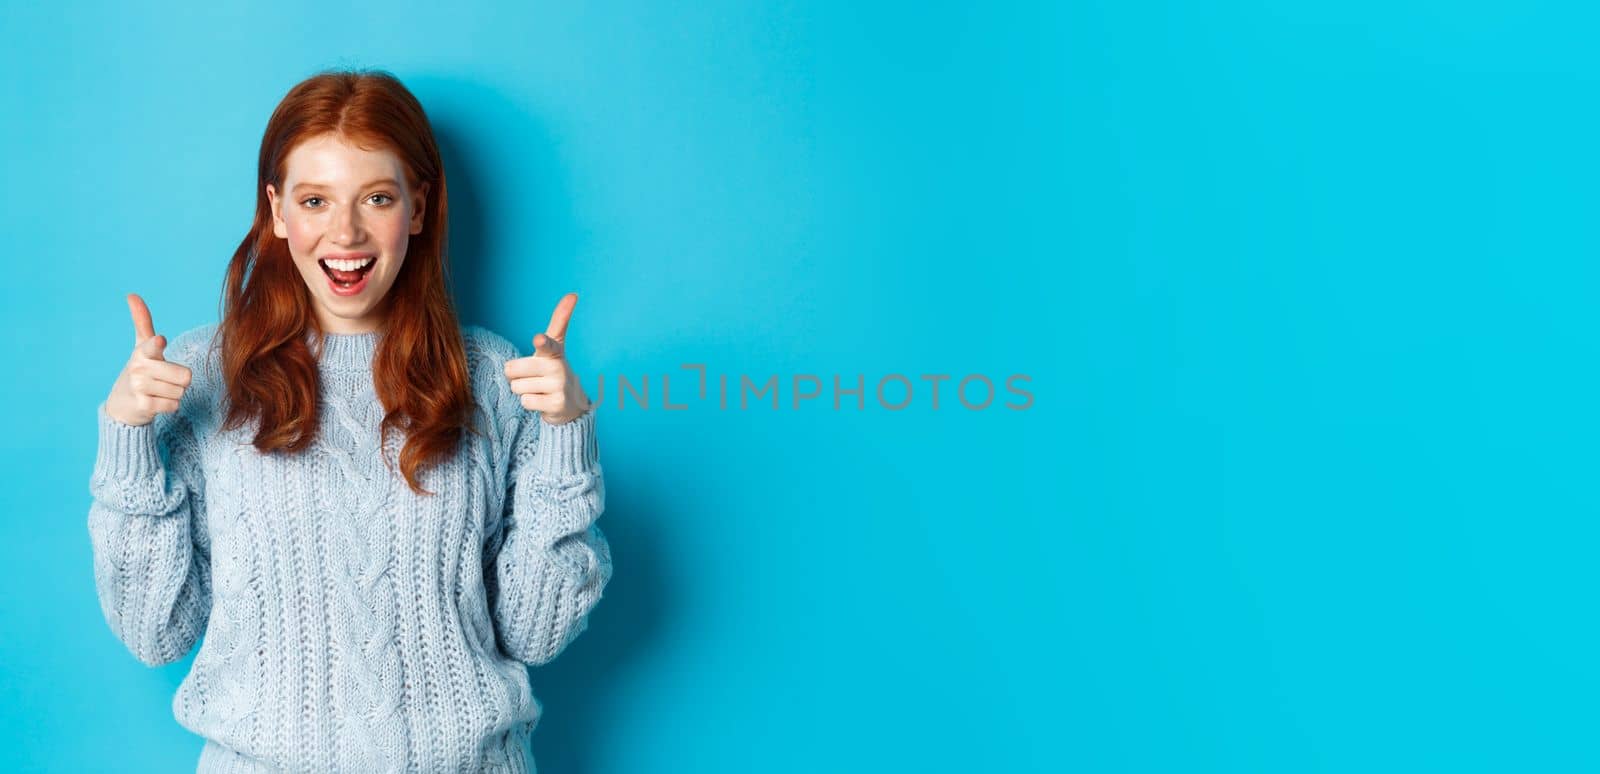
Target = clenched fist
(148,384)
(544,379)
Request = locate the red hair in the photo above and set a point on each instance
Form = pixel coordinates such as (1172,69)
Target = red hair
(420,366)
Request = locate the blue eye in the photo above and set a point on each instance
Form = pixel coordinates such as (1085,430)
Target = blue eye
(387,199)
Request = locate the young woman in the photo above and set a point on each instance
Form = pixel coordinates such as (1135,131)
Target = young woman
(375,515)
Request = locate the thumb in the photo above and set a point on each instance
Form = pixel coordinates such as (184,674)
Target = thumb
(153,347)
(544,346)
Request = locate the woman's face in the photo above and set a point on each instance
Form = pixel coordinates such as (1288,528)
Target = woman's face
(351,206)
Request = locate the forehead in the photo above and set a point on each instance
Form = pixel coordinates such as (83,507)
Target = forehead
(328,160)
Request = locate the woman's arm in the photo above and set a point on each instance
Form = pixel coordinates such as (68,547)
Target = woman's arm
(550,561)
(152,570)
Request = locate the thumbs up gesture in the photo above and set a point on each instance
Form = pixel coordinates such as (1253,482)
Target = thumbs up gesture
(544,379)
(148,384)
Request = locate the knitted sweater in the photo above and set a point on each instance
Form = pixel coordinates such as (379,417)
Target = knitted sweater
(350,624)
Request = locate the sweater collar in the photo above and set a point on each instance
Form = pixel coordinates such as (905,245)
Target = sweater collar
(345,351)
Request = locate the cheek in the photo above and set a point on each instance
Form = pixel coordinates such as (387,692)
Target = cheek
(302,234)
(395,231)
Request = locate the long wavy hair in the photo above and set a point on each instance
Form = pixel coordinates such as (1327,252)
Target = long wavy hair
(420,366)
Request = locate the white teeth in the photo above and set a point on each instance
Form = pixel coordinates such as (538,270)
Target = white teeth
(354,265)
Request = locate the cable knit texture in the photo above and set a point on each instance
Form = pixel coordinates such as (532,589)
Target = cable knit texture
(350,624)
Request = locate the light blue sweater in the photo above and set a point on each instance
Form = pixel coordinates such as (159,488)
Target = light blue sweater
(350,624)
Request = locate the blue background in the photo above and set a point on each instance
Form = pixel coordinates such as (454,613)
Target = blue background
(1305,292)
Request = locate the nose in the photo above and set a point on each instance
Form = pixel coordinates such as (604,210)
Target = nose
(347,226)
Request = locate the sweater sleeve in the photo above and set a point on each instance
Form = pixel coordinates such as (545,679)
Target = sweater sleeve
(551,562)
(152,569)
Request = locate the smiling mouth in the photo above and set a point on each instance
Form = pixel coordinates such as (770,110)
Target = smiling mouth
(346,279)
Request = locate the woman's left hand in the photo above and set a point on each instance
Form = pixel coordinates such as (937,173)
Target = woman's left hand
(545,381)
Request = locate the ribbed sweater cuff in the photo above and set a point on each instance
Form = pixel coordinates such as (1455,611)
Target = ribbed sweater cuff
(127,454)
(567,448)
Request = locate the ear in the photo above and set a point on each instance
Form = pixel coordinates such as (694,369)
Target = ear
(279,230)
(420,208)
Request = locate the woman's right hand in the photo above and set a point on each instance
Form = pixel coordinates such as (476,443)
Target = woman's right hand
(148,384)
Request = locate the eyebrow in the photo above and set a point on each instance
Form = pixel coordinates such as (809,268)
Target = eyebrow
(379,181)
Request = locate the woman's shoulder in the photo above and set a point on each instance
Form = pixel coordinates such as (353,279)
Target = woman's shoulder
(197,348)
(193,339)
(482,343)
(200,350)
(487,353)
